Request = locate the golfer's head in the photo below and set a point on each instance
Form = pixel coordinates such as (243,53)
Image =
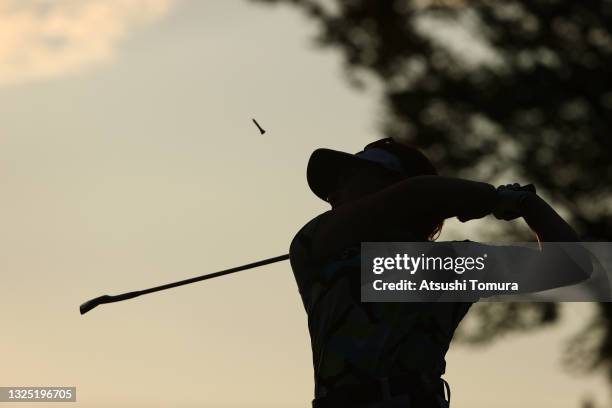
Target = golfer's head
(382,164)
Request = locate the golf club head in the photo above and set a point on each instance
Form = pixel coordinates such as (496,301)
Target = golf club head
(100,300)
(90,304)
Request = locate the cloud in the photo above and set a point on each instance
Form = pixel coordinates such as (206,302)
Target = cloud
(48,38)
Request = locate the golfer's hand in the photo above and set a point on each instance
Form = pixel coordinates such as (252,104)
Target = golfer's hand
(510,198)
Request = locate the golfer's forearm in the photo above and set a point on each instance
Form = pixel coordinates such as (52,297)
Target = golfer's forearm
(443,197)
(545,221)
(415,204)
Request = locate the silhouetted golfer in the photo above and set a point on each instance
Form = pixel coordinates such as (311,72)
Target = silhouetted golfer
(388,354)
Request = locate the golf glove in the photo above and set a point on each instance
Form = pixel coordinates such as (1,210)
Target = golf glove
(510,197)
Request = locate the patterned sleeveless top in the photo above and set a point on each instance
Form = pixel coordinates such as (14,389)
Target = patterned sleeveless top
(354,342)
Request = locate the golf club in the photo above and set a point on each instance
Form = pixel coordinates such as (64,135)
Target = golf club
(90,304)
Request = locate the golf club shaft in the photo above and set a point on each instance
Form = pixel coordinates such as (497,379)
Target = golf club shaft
(90,304)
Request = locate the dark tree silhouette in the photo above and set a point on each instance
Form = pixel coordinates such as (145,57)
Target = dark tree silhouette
(495,91)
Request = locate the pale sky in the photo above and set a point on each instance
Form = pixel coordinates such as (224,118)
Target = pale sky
(128,159)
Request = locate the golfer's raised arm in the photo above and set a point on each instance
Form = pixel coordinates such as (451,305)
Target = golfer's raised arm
(414,203)
(438,197)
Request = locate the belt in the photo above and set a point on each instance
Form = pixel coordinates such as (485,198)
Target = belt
(423,393)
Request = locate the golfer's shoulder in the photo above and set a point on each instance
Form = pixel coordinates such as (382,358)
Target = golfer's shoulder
(300,250)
